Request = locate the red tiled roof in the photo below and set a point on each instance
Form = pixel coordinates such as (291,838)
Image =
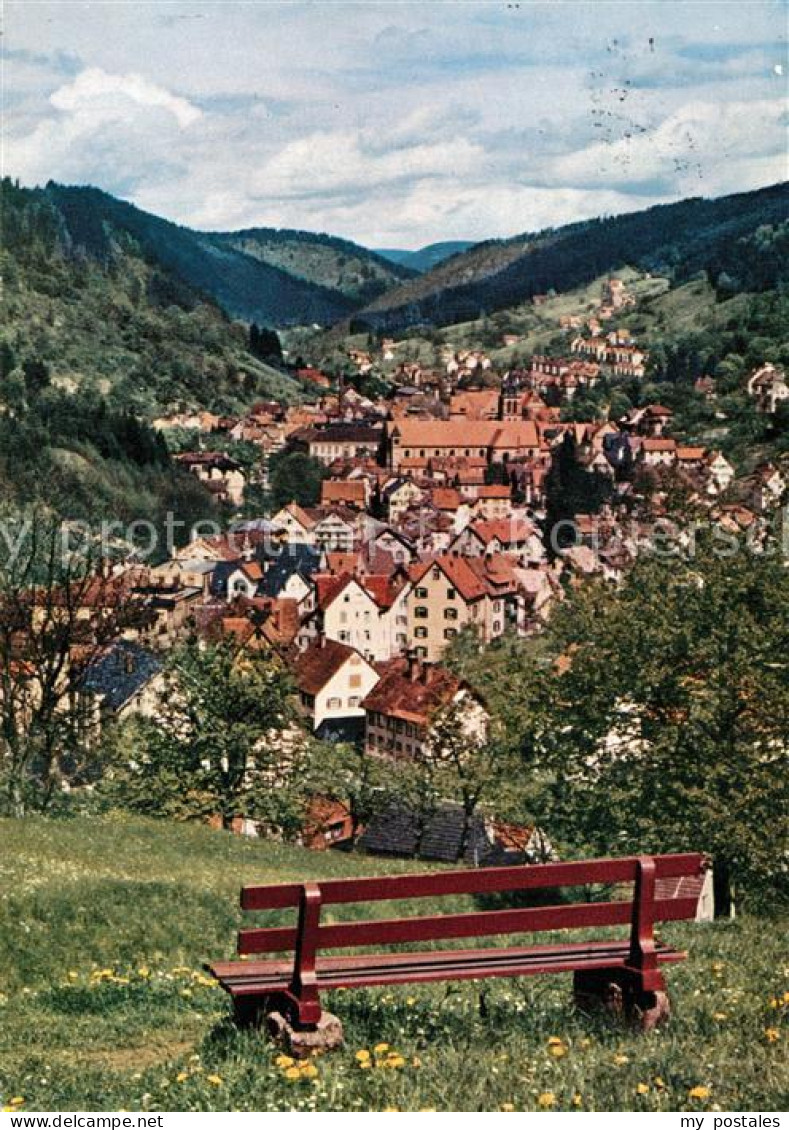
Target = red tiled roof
(319,663)
(415,700)
(445,498)
(494,490)
(349,490)
(463,434)
(458,572)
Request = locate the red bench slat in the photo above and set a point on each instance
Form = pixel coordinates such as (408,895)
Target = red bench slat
(392,931)
(482,880)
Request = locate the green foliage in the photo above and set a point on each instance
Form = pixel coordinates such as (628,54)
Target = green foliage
(295,477)
(664,727)
(217,744)
(88,297)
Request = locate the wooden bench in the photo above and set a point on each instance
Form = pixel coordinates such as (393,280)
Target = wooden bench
(629,966)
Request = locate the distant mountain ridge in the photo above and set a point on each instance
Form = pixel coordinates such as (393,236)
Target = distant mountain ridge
(269,276)
(426,257)
(674,239)
(324,260)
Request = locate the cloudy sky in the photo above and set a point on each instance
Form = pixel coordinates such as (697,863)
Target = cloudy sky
(397,124)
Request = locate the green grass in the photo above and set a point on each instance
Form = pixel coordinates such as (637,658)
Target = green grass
(104,926)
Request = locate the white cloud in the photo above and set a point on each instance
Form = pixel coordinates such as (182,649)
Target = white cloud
(716,143)
(103,95)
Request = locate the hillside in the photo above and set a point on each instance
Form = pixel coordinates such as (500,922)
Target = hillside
(326,261)
(106,923)
(723,237)
(427,257)
(245,287)
(89,300)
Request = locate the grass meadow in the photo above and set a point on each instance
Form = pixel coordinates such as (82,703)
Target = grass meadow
(104,925)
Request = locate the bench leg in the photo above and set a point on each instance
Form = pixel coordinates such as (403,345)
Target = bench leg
(246,1011)
(301,1042)
(619,993)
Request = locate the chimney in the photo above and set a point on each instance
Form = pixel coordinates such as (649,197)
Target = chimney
(128,662)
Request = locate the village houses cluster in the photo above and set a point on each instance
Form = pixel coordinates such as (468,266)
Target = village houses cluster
(431,521)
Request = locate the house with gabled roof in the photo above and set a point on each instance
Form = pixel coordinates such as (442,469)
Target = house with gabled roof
(245,579)
(402,707)
(366,612)
(445,595)
(332,680)
(296,523)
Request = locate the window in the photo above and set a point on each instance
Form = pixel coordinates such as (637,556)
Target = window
(421,652)
(496,627)
(436,574)
(450,633)
(450,613)
(420,633)
(354,700)
(420,612)
(334,703)
(421,593)
(451,594)
(497,606)
(355,681)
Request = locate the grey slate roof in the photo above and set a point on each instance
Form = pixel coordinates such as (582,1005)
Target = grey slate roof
(120,673)
(396,831)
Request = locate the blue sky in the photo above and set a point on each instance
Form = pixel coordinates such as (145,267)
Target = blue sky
(397,124)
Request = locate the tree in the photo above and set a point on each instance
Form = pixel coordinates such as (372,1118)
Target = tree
(669,729)
(295,477)
(58,612)
(467,761)
(219,744)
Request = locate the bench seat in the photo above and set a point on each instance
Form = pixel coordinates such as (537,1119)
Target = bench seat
(264,978)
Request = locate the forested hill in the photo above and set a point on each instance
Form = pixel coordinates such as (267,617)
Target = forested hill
(740,240)
(87,300)
(94,223)
(325,260)
(427,257)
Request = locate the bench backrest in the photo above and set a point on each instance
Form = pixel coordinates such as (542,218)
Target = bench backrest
(640,911)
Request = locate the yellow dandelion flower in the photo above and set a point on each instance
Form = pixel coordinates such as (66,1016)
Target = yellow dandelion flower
(363,1055)
(73,975)
(719,1015)
(577,1099)
(143,971)
(772,1035)
(660,1083)
(214,1080)
(292,1073)
(17,1100)
(379,1049)
(394,1061)
(774,1002)
(506,1106)
(365,1065)
(546,1099)
(416,1061)
(410,1001)
(642,1089)
(182,1076)
(284,1061)
(309,1071)
(554,1041)
(557,1050)
(699,1093)
(620,1059)
(786,997)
